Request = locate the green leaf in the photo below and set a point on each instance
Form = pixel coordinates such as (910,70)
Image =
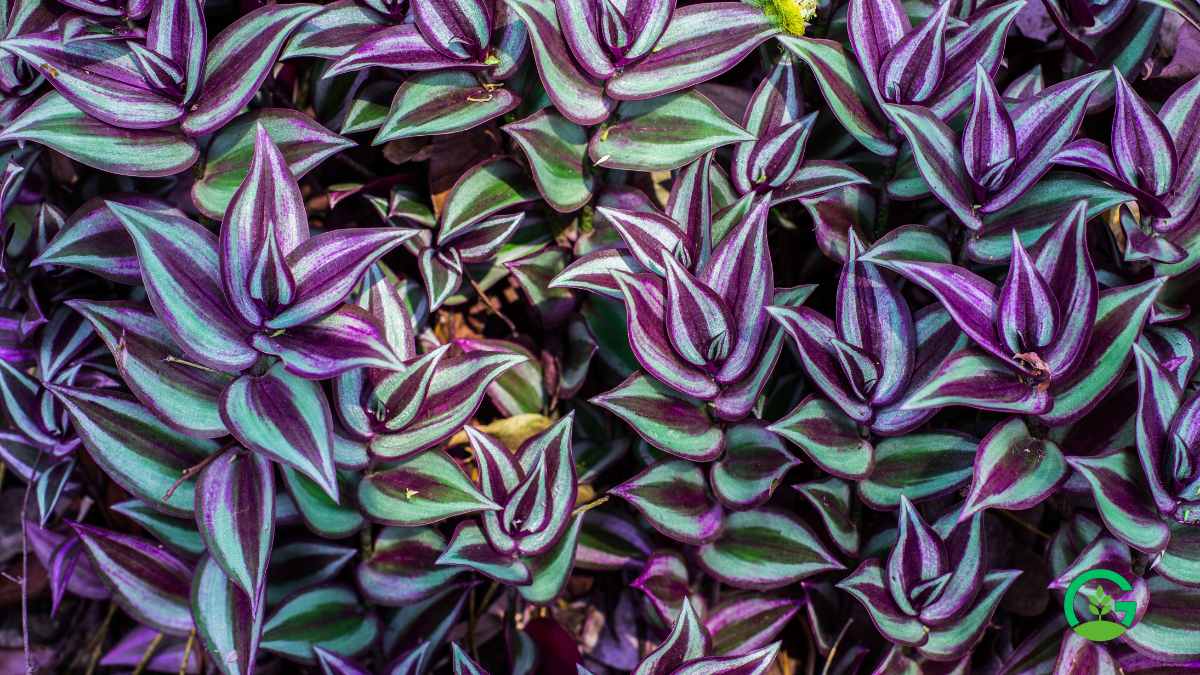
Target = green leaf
(303,142)
(556,149)
(426,489)
(663,133)
(443,102)
(331,617)
(765,549)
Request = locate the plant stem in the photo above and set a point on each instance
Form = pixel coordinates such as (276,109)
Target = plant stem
(29,666)
(487,300)
(101,634)
(148,654)
(187,652)
(192,471)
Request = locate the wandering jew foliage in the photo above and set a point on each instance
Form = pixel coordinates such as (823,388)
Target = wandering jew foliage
(565,337)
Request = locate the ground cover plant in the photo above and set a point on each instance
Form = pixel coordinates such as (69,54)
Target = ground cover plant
(599,336)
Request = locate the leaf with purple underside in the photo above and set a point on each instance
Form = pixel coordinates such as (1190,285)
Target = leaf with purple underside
(663,133)
(227,622)
(134,448)
(920,466)
(285,418)
(827,437)
(687,641)
(764,549)
(1013,470)
(1119,490)
(674,497)
(235,514)
(54,122)
(755,462)
(148,582)
(93,239)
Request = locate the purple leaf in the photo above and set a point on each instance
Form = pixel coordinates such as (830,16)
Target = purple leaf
(576,95)
(664,580)
(980,43)
(227,621)
(912,69)
(302,142)
(147,582)
(646,303)
(181,270)
(402,47)
(537,509)
(813,335)
(327,267)
(459,29)
(94,240)
(989,139)
(650,237)
(867,585)
(167,656)
(265,222)
(1044,124)
(973,378)
(674,497)
(687,641)
(740,273)
(969,298)
(1141,145)
(1013,470)
(872,316)
(343,340)
(742,624)
(1159,397)
(937,156)
(177,32)
(1027,313)
(764,549)
(100,77)
(701,42)
(918,557)
(235,513)
(874,28)
(1063,260)
(239,59)
(285,418)
(666,421)
(455,392)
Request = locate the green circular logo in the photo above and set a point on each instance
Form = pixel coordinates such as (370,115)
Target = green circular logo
(1100,604)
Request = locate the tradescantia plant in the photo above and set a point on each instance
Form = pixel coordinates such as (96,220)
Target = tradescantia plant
(598,336)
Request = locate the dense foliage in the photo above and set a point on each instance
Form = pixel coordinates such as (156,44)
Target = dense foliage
(598,336)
